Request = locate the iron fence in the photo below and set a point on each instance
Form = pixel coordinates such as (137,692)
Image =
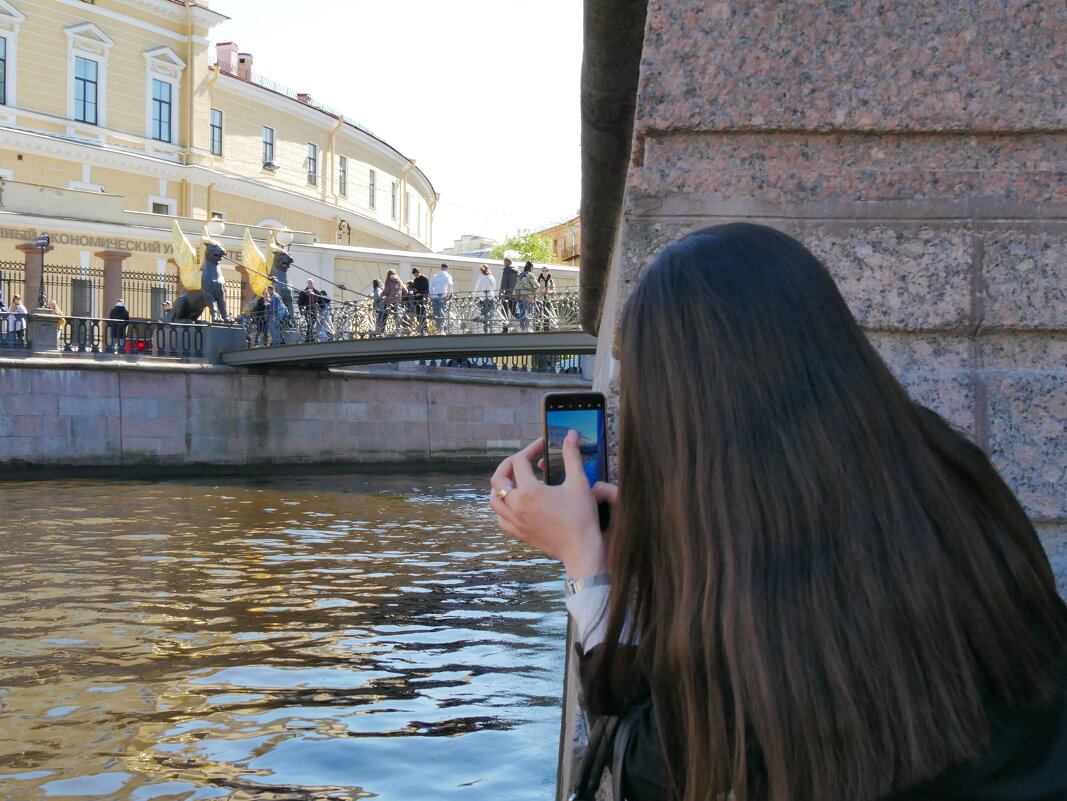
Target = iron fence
(12,280)
(13,331)
(144,293)
(462,313)
(78,291)
(136,337)
(559,363)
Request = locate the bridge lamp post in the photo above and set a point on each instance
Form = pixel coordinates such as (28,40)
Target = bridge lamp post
(42,243)
(215,228)
(284,237)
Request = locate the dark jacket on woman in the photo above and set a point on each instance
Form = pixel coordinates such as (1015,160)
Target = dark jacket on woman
(1026,759)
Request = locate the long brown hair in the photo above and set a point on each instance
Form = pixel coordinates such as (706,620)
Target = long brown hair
(825,579)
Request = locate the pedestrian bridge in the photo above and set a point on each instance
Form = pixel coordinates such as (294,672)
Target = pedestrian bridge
(470,327)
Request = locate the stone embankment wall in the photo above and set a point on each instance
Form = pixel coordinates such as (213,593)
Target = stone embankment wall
(921,154)
(64,413)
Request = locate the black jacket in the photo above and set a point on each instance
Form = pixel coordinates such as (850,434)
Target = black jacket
(507,281)
(1026,759)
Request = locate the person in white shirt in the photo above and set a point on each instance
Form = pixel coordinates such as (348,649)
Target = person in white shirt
(440,294)
(484,290)
(18,324)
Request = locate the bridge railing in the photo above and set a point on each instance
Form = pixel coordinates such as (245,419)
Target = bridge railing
(461,313)
(135,337)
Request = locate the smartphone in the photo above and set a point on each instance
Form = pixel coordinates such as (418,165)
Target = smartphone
(582,412)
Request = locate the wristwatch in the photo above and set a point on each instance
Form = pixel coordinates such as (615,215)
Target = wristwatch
(572,587)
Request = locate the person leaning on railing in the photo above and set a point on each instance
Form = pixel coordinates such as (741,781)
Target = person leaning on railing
(485,291)
(545,287)
(18,314)
(812,588)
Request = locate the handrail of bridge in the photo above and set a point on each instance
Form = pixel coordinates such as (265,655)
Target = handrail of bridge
(462,313)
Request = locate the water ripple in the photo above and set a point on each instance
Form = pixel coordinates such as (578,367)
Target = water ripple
(274,638)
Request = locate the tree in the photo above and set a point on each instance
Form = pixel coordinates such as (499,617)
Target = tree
(525,246)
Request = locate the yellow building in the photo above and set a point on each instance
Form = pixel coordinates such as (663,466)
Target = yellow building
(566,239)
(128,99)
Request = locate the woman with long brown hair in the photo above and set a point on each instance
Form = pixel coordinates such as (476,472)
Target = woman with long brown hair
(812,589)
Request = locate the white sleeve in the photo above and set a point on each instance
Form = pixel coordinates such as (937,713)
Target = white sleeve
(588,611)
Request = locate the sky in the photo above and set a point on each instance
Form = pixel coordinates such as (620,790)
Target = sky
(483,94)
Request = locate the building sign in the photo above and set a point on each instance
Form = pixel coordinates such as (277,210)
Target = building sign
(102,242)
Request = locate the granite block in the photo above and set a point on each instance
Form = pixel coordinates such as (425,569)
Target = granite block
(1028,437)
(1023,350)
(949,393)
(911,279)
(39,405)
(909,351)
(1054,539)
(148,385)
(88,406)
(693,172)
(134,427)
(42,426)
(1025,278)
(986,66)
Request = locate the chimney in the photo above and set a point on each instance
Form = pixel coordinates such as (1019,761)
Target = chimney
(244,66)
(226,56)
(304,97)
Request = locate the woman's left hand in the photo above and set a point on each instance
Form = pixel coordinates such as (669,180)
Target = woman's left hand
(560,520)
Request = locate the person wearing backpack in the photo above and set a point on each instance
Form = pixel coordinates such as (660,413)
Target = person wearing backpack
(525,294)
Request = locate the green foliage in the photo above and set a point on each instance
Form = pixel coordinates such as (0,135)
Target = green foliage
(525,246)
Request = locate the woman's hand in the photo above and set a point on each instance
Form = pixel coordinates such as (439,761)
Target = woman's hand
(559,520)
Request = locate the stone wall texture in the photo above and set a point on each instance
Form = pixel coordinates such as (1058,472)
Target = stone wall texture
(920,149)
(57,413)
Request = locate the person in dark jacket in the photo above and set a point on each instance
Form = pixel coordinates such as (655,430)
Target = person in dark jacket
(420,291)
(508,278)
(117,330)
(813,589)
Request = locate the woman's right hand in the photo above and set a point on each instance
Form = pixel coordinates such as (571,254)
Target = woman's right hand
(560,520)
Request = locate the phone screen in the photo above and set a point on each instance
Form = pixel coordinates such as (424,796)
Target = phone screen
(582,412)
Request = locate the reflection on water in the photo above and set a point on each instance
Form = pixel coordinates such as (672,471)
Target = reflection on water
(283,638)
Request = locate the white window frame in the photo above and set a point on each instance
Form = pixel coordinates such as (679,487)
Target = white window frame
(394,211)
(10,19)
(86,40)
(342,176)
(372,189)
(313,164)
(272,143)
(163,64)
(211,130)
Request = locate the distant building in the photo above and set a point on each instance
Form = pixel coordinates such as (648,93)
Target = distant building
(566,239)
(476,247)
(118,117)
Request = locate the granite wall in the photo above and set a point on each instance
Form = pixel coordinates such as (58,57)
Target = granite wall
(63,413)
(920,149)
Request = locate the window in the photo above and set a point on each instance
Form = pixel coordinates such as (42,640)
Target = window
(3,70)
(161,208)
(268,147)
(313,164)
(407,208)
(222,216)
(342,176)
(86,73)
(87,56)
(372,183)
(216,132)
(395,194)
(81,297)
(161,110)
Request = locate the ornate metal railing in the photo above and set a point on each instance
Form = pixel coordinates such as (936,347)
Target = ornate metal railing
(462,313)
(13,331)
(136,337)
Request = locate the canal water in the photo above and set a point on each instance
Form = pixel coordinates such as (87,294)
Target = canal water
(283,638)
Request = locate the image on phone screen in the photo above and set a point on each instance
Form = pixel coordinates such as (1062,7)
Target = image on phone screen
(589,423)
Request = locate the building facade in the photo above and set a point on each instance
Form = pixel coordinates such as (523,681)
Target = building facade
(130,100)
(566,239)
